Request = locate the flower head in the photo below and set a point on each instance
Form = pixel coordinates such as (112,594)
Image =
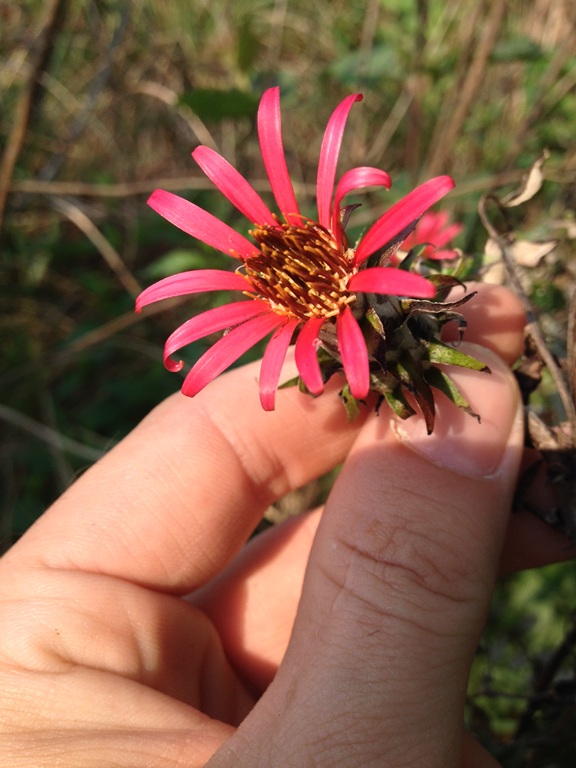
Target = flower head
(304,281)
(434,231)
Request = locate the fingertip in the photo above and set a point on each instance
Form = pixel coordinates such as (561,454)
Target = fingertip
(496,320)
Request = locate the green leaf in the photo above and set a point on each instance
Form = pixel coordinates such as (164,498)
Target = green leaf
(547,296)
(517,49)
(213,104)
(248,45)
(383,62)
(177,260)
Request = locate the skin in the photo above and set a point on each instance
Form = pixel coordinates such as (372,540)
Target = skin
(138,629)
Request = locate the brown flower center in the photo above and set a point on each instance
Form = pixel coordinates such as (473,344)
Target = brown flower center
(300,270)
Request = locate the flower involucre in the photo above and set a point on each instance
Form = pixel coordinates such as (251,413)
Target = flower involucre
(300,276)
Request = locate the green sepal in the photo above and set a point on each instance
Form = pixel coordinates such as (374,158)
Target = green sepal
(390,390)
(399,404)
(350,403)
(296,381)
(444,284)
(444,354)
(412,257)
(441,381)
(382,256)
(412,378)
(372,318)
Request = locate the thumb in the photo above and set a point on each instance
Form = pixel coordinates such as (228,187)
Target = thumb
(396,593)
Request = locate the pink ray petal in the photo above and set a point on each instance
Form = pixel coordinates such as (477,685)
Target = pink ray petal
(272,149)
(359,178)
(227,350)
(233,186)
(448,233)
(199,223)
(433,228)
(209,322)
(403,213)
(306,357)
(389,280)
(356,178)
(428,226)
(441,254)
(195,281)
(354,354)
(329,153)
(272,362)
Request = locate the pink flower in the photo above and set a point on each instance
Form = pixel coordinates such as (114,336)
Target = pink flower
(433,228)
(299,275)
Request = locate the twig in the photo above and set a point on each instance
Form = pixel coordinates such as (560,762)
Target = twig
(48,435)
(472,83)
(114,326)
(170,98)
(131,188)
(108,252)
(532,326)
(53,165)
(38,61)
(552,89)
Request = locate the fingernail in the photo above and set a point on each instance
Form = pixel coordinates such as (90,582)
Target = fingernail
(459,443)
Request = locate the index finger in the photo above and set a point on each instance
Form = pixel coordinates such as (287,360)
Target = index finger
(176,499)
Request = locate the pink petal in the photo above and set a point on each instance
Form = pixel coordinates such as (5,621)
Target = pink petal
(272,362)
(209,322)
(354,354)
(427,228)
(449,233)
(329,153)
(441,254)
(356,178)
(200,224)
(388,280)
(403,213)
(227,350)
(270,137)
(306,357)
(433,228)
(233,186)
(195,281)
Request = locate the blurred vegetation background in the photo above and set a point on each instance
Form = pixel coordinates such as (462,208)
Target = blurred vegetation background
(103,101)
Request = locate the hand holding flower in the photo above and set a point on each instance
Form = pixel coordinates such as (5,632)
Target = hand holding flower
(360,661)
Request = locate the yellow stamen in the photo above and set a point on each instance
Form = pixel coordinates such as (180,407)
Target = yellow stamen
(300,270)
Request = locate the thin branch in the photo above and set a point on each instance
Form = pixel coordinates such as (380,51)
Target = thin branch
(108,252)
(77,126)
(117,324)
(532,326)
(48,435)
(473,82)
(131,188)
(38,61)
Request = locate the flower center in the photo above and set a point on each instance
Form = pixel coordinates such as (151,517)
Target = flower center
(300,270)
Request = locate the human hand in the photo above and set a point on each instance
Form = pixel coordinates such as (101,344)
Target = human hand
(103,663)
